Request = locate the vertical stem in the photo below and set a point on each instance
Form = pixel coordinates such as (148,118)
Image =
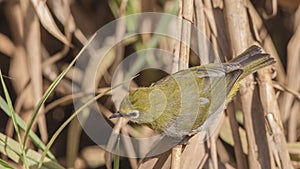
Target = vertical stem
(176,156)
(239,31)
(187,15)
(238,150)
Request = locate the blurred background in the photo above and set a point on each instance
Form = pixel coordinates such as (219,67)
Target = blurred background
(260,129)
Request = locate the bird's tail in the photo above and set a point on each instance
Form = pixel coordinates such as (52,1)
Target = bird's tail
(252,59)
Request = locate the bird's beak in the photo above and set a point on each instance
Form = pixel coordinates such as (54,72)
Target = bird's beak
(115,115)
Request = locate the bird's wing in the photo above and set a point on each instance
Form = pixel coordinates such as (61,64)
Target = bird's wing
(203,91)
(218,82)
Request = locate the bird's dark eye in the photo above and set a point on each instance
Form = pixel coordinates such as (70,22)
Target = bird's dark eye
(134,114)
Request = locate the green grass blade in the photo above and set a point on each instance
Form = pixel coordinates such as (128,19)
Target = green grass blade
(49,91)
(11,149)
(116,156)
(35,139)
(13,116)
(4,164)
(60,129)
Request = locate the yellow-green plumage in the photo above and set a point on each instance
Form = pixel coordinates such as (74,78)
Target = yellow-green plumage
(179,104)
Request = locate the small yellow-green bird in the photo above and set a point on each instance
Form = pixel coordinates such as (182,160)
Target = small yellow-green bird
(179,104)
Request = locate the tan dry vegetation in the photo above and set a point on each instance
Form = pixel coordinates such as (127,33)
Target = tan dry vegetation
(39,38)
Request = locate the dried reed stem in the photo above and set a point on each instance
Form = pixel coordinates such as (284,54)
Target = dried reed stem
(239,32)
(187,15)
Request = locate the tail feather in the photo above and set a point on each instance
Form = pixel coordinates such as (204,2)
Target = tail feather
(251,51)
(253,59)
(249,61)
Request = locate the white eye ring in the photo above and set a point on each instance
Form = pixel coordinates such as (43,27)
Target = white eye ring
(134,114)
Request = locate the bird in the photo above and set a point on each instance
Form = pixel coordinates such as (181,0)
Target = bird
(179,105)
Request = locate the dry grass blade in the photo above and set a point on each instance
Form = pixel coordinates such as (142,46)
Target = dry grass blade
(47,20)
(32,42)
(62,12)
(293,80)
(259,129)
(7,47)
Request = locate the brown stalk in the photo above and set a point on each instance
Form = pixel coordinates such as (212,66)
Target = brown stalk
(203,48)
(162,161)
(67,22)
(18,65)
(293,80)
(272,112)
(276,136)
(176,45)
(113,139)
(32,42)
(187,15)
(129,148)
(176,157)
(238,150)
(213,152)
(239,32)
(7,47)
(201,149)
(73,135)
(184,54)
(261,35)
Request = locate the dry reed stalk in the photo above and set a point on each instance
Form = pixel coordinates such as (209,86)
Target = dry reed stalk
(112,140)
(176,43)
(276,138)
(22,64)
(7,47)
(184,54)
(187,15)
(176,157)
(162,161)
(73,140)
(239,32)
(201,23)
(261,35)
(195,154)
(290,108)
(209,20)
(18,65)
(238,150)
(62,11)
(129,147)
(32,41)
(272,112)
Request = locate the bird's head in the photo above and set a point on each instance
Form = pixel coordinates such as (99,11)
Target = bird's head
(141,106)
